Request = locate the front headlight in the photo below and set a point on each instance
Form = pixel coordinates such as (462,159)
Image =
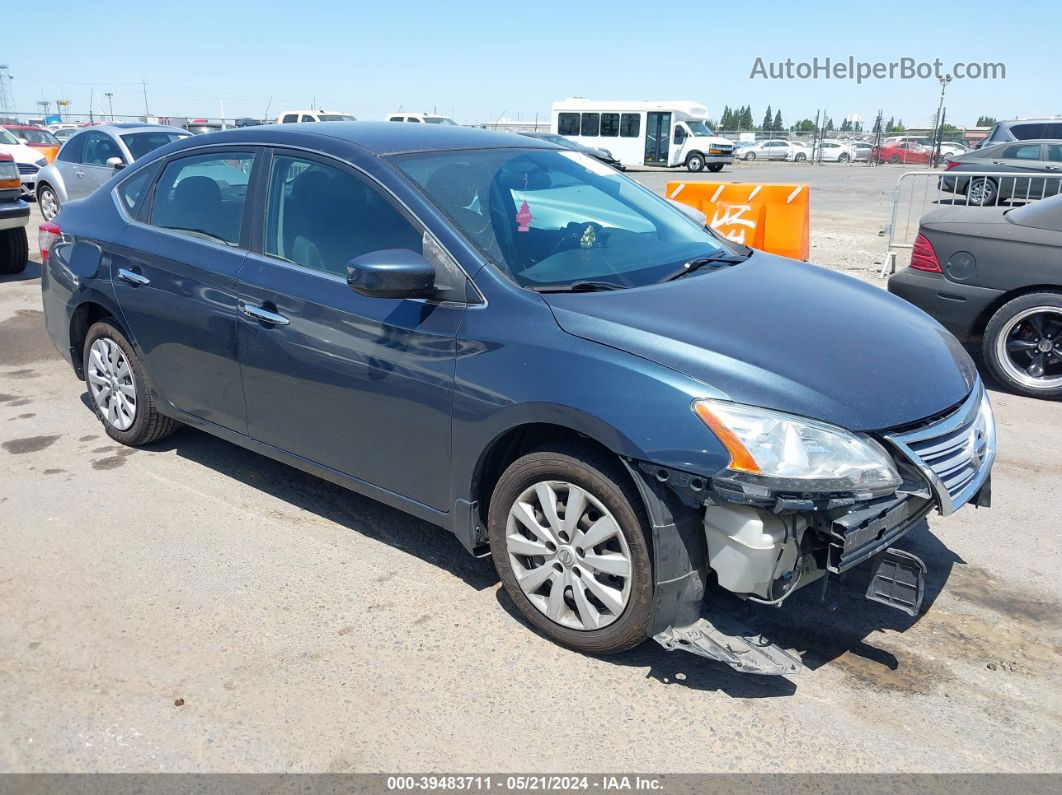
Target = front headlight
(782,452)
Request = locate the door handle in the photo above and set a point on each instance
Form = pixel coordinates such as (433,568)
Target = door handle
(264,315)
(134,278)
(80,174)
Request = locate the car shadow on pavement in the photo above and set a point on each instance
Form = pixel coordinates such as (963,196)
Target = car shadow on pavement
(328,501)
(31,272)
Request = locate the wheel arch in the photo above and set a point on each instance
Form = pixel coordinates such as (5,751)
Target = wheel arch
(981,322)
(83,317)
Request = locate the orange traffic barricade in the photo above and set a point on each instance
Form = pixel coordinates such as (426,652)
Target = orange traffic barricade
(773,218)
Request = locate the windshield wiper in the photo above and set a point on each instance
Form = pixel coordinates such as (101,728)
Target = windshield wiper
(720,257)
(579,287)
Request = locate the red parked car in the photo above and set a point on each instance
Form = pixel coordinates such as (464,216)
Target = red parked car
(902,152)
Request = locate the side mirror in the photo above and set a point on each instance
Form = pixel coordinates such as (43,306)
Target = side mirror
(391,273)
(116,163)
(692,212)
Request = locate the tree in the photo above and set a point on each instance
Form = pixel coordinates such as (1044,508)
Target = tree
(890,125)
(846,126)
(778,121)
(829,124)
(985,121)
(726,122)
(768,120)
(899,127)
(805,125)
(746,117)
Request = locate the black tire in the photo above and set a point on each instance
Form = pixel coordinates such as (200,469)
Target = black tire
(750,155)
(43,188)
(988,195)
(715,168)
(148,424)
(843,158)
(14,251)
(695,162)
(1000,326)
(894,159)
(603,477)
(800,157)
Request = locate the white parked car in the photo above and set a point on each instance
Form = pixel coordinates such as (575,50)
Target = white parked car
(831,151)
(293,116)
(772,149)
(27,159)
(425,118)
(860,150)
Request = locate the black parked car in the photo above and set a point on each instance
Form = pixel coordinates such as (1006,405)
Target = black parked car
(603,155)
(995,274)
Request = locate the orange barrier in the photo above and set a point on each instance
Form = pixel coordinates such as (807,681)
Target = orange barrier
(774,218)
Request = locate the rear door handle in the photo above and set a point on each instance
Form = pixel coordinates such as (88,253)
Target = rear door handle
(80,174)
(133,277)
(264,315)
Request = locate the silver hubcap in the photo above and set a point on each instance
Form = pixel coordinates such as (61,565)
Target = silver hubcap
(111,383)
(49,205)
(982,191)
(1030,348)
(569,555)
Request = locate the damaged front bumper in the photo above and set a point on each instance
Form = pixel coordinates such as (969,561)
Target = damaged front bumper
(764,547)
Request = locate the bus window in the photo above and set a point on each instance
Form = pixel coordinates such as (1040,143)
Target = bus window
(567,123)
(630,125)
(591,124)
(609,125)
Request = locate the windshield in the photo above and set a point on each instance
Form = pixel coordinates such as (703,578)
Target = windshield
(38,137)
(7,138)
(553,218)
(139,144)
(699,129)
(336,117)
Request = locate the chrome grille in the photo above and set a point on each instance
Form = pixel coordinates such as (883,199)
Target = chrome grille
(27,168)
(954,453)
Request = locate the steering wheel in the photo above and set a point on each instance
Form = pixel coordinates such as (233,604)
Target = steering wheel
(581,235)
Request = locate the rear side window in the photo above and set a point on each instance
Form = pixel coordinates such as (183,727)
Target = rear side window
(289,118)
(591,124)
(1027,132)
(133,191)
(71,151)
(204,196)
(1054,153)
(609,125)
(307,117)
(630,125)
(1018,152)
(413,119)
(568,123)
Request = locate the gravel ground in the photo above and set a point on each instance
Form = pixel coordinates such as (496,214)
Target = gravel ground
(196,607)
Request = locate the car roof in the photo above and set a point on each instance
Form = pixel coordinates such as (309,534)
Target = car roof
(23,127)
(377,137)
(119,129)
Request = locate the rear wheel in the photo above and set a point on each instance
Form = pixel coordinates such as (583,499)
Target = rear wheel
(1023,345)
(121,396)
(800,157)
(568,538)
(982,191)
(715,168)
(695,162)
(14,250)
(47,201)
(750,155)
(843,158)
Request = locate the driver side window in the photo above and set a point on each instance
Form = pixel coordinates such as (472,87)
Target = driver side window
(98,148)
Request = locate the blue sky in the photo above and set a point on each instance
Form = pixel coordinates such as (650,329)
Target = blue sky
(479,60)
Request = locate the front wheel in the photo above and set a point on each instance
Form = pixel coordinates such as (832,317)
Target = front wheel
(1023,345)
(695,162)
(568,538)
(843,158)
(47,201)
(121,397)
(715,168)
(800,157)
(750,155)
(14,250)
(982,192)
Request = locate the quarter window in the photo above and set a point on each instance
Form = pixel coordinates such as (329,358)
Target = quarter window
(71,151)
(609,125)
(591,124)
(307,117)
(134,189)
(630,125)
(1027,132)
(321,217)
(204,196)
(568,123)
(1054,153)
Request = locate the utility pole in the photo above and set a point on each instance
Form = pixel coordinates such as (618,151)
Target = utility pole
(146,111)
(110,103)
(7,97)
(91,97)
(938,133)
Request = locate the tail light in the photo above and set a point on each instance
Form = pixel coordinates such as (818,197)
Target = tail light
(47,233)
(9,176)
(923,257)
(951,164)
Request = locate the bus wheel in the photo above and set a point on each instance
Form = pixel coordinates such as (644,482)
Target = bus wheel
(695,162)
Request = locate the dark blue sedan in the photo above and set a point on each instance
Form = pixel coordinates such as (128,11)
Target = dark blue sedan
(517,343)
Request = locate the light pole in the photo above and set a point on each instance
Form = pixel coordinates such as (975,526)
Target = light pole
(110,103)
(939,133)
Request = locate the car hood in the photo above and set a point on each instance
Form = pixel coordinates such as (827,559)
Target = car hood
(785,335)
(22,153)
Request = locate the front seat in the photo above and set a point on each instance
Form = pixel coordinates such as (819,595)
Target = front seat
(196,206)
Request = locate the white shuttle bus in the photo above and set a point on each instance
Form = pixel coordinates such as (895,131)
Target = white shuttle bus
(669,133)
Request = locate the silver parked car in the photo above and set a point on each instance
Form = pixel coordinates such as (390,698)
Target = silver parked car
(90,158)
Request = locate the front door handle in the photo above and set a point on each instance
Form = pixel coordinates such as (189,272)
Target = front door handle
(264,315)
(133,277)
